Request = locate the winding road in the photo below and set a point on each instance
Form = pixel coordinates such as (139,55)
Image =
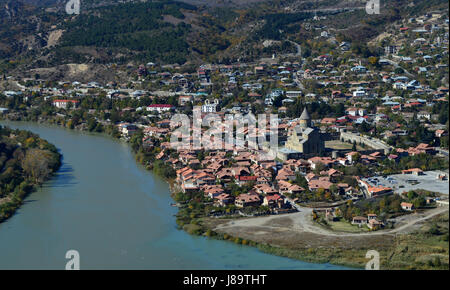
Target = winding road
(396,65)
(302,223)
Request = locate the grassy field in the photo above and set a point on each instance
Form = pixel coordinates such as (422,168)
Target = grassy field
(343,226)
(427,248)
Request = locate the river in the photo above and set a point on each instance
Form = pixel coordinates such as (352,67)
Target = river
(116,214)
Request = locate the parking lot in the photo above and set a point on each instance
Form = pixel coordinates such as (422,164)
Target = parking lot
(407,182)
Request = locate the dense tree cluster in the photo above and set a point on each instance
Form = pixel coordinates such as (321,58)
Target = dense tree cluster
(25,161)
(277,24)
(133,26)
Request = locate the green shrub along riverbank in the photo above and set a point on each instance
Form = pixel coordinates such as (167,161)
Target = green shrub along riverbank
(26,161)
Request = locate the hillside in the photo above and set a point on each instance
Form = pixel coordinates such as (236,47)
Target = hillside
(107,32)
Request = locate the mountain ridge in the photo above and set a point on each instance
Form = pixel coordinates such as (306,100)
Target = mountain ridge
(176,31)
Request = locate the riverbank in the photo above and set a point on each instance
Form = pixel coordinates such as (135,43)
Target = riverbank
(353,255)
(193,226)
(424,246)
(101,186)
(26,162)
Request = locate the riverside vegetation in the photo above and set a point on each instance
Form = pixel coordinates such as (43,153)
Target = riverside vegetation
(423,249)
(26,161)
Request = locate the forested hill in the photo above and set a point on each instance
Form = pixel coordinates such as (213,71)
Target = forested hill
(165,31)
(137,28)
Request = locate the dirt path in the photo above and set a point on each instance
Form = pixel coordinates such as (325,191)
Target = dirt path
(301,222)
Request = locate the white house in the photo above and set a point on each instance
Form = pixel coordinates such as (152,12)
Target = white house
(293,94)
(359,69)
(407,206)
(127,129)
(398,85)
(356,112)
(359,94)
(64,104)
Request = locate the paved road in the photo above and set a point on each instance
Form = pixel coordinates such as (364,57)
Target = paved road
(19,85)
(331,9)
(299,49)
(396,65)
(415,221)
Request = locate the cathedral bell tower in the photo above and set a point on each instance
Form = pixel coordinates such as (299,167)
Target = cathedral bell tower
(305,119)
